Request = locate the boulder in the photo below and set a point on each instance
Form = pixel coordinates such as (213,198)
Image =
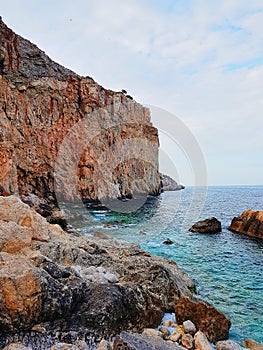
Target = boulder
(211,225)
(201,341)
(207,319)
(228,345)
(253,345)
(250,223)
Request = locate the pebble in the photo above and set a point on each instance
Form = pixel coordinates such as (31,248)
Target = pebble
(189,327)
(165,332)
(188,341)
(168,323)
(177,334)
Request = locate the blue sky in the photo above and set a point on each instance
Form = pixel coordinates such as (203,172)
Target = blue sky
(201,60)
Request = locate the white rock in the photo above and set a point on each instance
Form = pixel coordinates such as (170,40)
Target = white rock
(201,341)
(189,327)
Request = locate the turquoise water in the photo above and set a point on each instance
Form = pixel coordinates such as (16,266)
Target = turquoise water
(226,267)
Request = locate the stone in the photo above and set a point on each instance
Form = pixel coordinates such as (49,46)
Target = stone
(104,345)
(150,332)
(211,225)
(45,286)
(168,241)
(228,345)
(187,341)
(189,327)
(201,341)
(100,143)
(252,344)
(207,319)
(135,341)
(165,332)
(177,334)
(250,223)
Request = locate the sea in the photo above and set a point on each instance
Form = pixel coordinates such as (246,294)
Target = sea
(226,267)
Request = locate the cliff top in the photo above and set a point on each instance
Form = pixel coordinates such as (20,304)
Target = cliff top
(19,58)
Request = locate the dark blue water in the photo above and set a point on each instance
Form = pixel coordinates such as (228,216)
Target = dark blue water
(227,267)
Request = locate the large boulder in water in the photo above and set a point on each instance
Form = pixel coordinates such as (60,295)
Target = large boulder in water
(250,223)
(207,319)
(211,225)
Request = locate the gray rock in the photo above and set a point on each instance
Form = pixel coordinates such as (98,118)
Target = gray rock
(189,327)
(228,345)
(135,341)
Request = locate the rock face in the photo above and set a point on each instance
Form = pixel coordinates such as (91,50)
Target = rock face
(60,288)
(169,184)
(250,223)
(206,318)
(54,124)
(211,225)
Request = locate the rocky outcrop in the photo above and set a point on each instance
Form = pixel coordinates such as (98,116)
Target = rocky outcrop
(211,225)
(206,318)
(169,184)
(55,287)
(250,223)
(62,133)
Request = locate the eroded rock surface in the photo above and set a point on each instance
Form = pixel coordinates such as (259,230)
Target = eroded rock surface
(53,123)
(250,223)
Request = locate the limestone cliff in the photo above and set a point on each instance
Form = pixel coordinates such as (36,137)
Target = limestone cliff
(99,143)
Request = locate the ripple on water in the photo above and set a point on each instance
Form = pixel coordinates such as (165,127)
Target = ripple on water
(227,267)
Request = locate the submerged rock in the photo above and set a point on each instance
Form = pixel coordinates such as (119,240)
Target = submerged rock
(250,223)
(207,319)
(55,287)
(211,225)
(168,241)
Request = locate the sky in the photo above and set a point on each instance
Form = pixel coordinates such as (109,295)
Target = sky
(199,61)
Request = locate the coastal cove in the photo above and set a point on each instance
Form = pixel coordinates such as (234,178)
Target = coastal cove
(226,267)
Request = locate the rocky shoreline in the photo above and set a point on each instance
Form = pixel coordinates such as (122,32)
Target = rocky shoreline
(56,287)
